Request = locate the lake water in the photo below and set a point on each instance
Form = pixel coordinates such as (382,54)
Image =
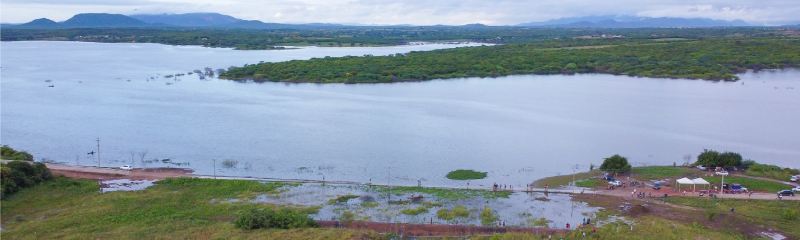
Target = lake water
(517,128)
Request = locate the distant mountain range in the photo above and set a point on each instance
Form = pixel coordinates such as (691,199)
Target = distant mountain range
(220,21)
(633,22)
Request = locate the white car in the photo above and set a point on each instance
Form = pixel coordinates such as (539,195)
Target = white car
(794,178)
(701,167)
(796,189)
(722,173)
(126,167)
(615,183)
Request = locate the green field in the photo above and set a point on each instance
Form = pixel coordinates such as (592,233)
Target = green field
(661,172)
(751,184)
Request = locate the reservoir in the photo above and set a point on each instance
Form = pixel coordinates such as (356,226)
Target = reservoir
(516,128)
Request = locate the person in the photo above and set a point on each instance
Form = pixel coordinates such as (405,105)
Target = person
(567,225)
(579,225)
(731,210)
(684,192)
(594,230)
(584,219)
(584,235)
(588,220)
(546,186)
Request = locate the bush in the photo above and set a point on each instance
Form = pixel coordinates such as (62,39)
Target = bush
(487,217)
(9,153)
(789,214)
(714,158)
(771,171)
(21,174)
(415,211)
(270,218)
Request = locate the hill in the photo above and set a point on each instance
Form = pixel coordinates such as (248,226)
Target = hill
(41,23)
(633,22)
(188,19)
(102,20)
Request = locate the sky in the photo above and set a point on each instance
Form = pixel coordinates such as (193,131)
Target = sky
(415,12)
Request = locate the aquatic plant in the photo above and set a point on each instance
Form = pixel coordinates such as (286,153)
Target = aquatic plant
(488,218)
(229,163)
(342,199)
(462,174)
(414,211)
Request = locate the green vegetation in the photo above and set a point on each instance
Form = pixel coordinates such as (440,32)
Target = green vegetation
(270,218)
(449,214)
(751,184)
(186,208)
(443,193)
(17,175)
(465,175)
(562,180)
(770,171)
(716,159)
(414,211)
(706,59)
(591,183)
(9,153)
(661,172)
(430,204)
(488,218)
(342,199)
(779,214)
(541,222)
(615,164)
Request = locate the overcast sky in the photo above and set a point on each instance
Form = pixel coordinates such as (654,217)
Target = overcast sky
(417,12)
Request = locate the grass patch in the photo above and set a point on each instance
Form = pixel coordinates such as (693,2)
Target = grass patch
(414,211)
(591,183)
(661,172)
(180,208)
(465,175)
(430,204)
(449,214)
(563,180)
(779,214)
(342,199)
(751,184)
(771,171)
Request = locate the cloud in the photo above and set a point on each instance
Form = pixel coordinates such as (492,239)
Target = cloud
(420,12)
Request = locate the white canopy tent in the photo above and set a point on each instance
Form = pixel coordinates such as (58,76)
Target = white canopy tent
(700,181)
(684,181)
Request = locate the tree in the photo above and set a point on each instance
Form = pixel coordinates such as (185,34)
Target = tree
(714,158)
(615,164)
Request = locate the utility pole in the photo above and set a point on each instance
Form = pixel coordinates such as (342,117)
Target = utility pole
(98,152)
(389,184)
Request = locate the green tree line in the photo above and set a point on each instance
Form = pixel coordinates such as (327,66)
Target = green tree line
(712,59)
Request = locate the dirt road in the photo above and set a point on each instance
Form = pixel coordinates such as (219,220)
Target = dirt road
(102,173)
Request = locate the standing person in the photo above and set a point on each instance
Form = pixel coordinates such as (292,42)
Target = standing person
(731,210)
(567,225)
(546,186)
(594,230)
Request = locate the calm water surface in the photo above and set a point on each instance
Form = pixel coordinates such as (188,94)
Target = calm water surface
(517,128)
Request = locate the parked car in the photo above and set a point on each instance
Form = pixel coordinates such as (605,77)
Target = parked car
(609,178)
(701,167)
(796,189)
(794,178)
(615,183)
(126,167)
(657,186)
(722,173)
(736,188)
(786,193)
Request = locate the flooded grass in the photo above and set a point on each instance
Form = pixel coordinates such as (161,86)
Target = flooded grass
(564,180)
(462,174)
(372,203)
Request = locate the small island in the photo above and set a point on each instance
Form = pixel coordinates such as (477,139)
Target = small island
(465,175)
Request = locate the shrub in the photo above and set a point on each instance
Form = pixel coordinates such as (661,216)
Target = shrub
(789,214)
(270,218)
(415,211)
(487,217)
(10,154)
(21,174)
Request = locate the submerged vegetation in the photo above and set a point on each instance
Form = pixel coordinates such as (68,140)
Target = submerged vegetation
(465,175)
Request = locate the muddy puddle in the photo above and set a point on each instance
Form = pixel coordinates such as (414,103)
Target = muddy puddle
(124,185)
(374,204)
